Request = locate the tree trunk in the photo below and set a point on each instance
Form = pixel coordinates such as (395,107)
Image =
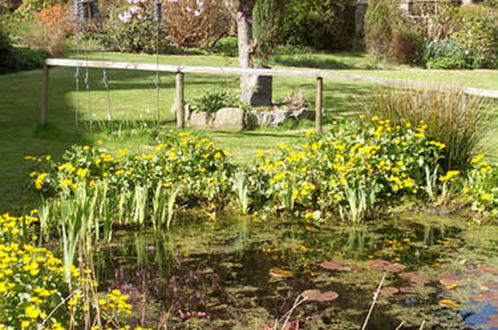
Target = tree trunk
(255,90)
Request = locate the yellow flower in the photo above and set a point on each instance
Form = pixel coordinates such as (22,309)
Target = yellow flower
(32,312)
(39,180)
(486,197)
(477,159)
(449,175)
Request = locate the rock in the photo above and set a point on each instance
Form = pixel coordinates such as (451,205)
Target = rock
(269,118)
(257,90)
(200,119)
(231,119)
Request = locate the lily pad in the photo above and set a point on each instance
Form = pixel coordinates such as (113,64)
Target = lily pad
(317,295)
(385,266)
(415,278)
(477,297)
(333,265)
(407,289)
(389,290)
(277,272)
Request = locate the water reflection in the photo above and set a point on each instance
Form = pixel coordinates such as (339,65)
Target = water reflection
(216,274)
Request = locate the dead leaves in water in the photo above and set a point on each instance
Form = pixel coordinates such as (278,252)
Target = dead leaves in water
(317,295)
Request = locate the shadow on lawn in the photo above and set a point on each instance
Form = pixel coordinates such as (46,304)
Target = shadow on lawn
(22,135)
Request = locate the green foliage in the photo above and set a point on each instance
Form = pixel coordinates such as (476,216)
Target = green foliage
(268,17)
(453,118)
(18,58)
(213,100)
(35,292)
(491,3)
(444,55)
(351,170)
(227,47)
(382,18)
(320,24)
(190,164)
(482,185)
(462,37)
(478,34)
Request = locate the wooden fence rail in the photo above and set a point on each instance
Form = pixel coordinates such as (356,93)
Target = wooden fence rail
(180,71)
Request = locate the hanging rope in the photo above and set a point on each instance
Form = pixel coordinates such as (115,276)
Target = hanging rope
(79,16)
(157,16)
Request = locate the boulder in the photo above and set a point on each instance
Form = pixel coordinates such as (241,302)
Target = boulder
(200,119)
(230,119)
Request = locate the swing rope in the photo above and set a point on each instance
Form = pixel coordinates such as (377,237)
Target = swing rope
(157,16)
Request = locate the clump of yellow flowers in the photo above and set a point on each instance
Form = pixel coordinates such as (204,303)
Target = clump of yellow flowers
(34,293)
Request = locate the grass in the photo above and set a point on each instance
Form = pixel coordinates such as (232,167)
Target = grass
(133,103)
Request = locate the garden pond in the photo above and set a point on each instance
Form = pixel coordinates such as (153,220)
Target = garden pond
(244,272)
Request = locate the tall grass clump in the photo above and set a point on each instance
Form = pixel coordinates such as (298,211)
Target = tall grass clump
(457,120)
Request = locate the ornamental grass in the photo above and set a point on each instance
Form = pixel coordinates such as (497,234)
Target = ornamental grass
(457,120)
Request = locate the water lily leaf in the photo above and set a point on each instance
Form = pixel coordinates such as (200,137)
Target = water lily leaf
(333,265)
(477,297)
(491,295)
(317,295)
(415,278)
(396,268)
(277,272)
(385,266)
(389,290)
(449,283)
(448,303)
(407,289)
(492,324)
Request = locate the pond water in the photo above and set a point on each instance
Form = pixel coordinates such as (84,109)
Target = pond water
(241,273)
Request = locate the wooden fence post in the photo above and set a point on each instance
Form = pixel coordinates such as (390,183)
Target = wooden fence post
(44,95)
(180,100)
(319,104)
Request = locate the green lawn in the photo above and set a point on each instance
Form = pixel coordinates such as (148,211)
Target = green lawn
(133,104)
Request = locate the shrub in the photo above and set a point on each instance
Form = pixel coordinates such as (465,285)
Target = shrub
(49,38)
(478,34)
(382,18)
(444,55)
(405,45)
(227,47)
(453,118)
(6,52)
(56,16)
(191,23)
(14,59)
(214,100)
(319,24)
(130,28)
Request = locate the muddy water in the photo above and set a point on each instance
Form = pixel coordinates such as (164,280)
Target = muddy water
(229,274)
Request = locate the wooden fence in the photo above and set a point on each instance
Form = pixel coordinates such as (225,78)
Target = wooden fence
(180,71)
